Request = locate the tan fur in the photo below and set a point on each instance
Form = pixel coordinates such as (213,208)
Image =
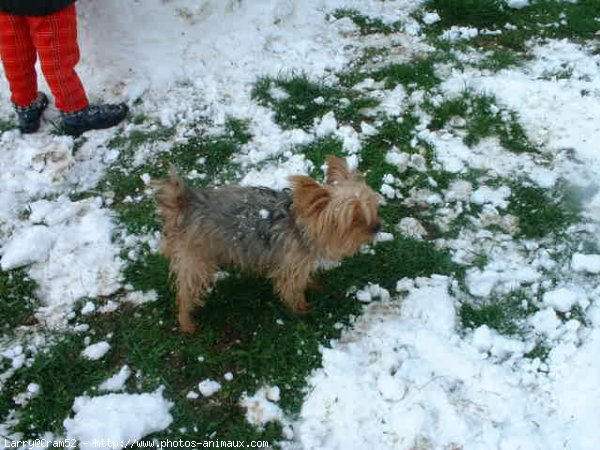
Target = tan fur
(205,229)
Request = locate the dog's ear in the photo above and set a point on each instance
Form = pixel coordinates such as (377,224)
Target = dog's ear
(337,170)
(310,198)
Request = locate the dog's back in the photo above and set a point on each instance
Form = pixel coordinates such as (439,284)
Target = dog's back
(230,224)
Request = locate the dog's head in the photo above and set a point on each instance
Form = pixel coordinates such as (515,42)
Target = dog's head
(341,215)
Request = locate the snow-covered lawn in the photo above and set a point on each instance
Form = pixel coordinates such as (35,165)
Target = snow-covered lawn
(472,323)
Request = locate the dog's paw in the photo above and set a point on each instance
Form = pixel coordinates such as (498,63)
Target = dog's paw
(188,328)
(316,286)
(301,307)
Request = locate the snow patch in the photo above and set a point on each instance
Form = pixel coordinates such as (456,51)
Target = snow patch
(117,418)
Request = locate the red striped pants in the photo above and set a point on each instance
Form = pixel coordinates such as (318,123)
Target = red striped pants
(54,39)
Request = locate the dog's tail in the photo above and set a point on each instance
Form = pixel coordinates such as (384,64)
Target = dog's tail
(171,199)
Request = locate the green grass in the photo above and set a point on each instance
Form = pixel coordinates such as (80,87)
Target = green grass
(244,328)
(239,333)
(541,212)
(6,125)
(137,137)
(208,155)
(483,118)
(415,74)
(475,13)
(17,299)
(240,327)
(318,150)
(541,19)
(503,314)
(367,25)
(304,100)
(392,133)
(238,130)
(575,20)
(540,351)
(62,374)
(500,59)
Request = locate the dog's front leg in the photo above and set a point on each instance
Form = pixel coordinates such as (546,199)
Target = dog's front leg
(290,284)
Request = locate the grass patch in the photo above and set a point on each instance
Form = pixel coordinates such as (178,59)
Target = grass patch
(367,25)
(62,375)
(208,155)
(569,20)
(238,130)
(483,118)
(541,212)
(245,330)
(392,133)
(17,299)
(541,19)
(298,101)
(128,143)
(500,59)
(415,74)
(474,13)
(540,351)
(503,314)
(318,150)
(6,125)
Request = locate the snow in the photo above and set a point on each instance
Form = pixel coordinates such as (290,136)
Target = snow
(554,114)
(117,381)
(500,277)
(456,33)
(562,299)
(411,227)
(192,395)
(400,160)
(327,125)
(117,418)
(430,18)
(71,254)
(586,263)
(88,308)
(138,297)
(495,197)
(517,4)
(274,175)
(261,408)
(209,387)
(96,351)
(404,375)
(27,246)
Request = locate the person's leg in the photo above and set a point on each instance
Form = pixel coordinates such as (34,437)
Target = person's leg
(18,58)
(55,38)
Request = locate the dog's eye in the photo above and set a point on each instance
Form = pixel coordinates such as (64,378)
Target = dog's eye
(359,222)
(376,228)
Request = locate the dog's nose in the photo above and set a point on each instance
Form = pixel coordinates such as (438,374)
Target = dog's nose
(376,227)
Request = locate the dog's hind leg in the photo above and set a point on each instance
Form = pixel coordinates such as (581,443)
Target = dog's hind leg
(193,277)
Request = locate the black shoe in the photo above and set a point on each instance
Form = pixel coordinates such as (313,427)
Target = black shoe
(93,117)
(29,116)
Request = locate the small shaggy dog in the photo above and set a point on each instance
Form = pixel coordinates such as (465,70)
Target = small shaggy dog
(280,234)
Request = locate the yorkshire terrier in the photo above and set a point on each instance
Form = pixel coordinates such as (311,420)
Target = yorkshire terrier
(279,234)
